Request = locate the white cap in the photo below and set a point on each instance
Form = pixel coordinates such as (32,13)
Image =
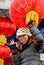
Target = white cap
(23,31)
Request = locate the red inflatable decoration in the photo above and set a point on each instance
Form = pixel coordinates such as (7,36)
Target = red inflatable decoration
(20,8)
(7,28)
(4,51)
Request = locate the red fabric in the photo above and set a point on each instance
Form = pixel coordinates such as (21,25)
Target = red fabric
(18,10)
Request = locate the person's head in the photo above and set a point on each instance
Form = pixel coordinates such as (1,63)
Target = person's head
(23,35)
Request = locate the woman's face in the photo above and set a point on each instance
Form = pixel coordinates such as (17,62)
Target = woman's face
(23,38)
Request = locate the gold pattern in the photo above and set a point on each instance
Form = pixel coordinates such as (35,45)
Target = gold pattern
(32,15)
(27,8)
(37,8)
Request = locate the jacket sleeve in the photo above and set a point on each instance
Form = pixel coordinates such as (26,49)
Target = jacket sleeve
(37,35)
(16,59)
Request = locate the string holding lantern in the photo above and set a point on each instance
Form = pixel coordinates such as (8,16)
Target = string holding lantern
(20,9)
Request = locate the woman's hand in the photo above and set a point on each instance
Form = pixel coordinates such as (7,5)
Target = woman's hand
(18,44)
(12,42)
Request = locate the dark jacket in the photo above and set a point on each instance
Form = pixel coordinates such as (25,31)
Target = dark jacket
(31,55)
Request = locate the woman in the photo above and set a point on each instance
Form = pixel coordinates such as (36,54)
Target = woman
(26,51)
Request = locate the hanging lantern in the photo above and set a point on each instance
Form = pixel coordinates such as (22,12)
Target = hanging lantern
(22,11)
(7,28)
(3,41)
(4,51)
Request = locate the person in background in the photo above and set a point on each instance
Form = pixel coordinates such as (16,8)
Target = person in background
(27,50)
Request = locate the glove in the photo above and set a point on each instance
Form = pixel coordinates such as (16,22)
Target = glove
(31,23)
(13,48)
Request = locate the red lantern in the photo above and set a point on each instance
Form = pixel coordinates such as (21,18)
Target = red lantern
(4,51)
(7,28)
(19,10)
